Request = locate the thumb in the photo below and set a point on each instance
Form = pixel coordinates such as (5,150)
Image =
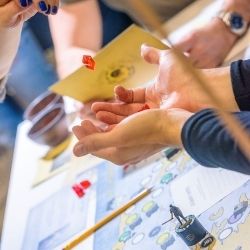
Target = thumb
(150,54)
(94,142)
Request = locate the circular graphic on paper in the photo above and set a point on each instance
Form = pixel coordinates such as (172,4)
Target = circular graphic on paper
(125,236)
(167,178)
(138,238)
(133,221)
(150,208)
(225,233)
(119,73)
(239,210)
(157,192)
(154,232)
(165,240)
(234,218)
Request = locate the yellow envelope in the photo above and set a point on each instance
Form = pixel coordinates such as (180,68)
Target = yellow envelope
(119,62)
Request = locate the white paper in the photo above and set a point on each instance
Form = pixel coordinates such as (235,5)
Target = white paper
(202,187)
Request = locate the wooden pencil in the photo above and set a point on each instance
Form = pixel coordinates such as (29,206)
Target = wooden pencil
(107,219)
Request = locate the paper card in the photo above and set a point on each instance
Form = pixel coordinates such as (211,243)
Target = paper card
(119,62)
(202,187)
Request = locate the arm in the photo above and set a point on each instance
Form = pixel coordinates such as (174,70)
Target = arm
(240,74)
(12,15)
(9,40)
(76,30)
(210,54)
(208,142)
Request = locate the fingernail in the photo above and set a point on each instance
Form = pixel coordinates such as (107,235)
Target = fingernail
(23,3)
(48,11)
(54,9)
(29,2)
(43,6)
(79,150)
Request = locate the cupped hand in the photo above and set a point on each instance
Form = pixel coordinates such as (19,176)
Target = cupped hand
(207,47)
(135,138)
(172,88)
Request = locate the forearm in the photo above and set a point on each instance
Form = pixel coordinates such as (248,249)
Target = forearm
(9,40)
(81,22)
(210,144)
(240,74)
(220,83)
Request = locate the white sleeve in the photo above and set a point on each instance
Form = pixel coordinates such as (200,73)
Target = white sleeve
(3,88)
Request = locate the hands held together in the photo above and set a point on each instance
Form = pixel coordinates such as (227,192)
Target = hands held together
(133,134)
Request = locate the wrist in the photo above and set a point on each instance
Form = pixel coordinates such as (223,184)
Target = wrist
(173,122)
(221,27)
(221,85)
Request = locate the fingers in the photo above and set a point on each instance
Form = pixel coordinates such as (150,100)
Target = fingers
(150,54)
(95,142)
(109,118)
(139,129)
(129,155)
(46,7)
(117,108)
(130,95)
(85,129)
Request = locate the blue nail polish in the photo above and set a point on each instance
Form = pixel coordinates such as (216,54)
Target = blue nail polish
(48,11)
(54,9)
(43,6)
(23,3)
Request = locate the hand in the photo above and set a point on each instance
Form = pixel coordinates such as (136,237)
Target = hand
(173,88)
(208,46)
(14,12)
(135,138)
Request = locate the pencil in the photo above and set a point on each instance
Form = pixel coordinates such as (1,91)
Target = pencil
(107,219)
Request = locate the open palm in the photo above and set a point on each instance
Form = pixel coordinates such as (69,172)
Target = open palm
(170,90)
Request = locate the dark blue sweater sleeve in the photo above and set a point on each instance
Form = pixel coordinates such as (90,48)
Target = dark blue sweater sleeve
(208,142)
(240,75)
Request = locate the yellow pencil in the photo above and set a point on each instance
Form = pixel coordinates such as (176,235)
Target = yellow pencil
(107,219)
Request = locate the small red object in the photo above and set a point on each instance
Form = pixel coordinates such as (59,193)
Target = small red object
(85,184)
(88,61)
(78,190)
(144,107)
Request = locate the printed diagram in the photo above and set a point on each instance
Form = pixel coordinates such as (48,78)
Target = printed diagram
(140,227)
(229,220)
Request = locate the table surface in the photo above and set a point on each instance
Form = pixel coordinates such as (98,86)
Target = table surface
(21,197)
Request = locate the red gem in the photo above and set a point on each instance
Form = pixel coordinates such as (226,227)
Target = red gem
(78,190)
(85,184)
(88,61)
(144,107)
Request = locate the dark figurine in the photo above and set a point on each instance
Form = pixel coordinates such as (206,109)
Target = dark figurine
(177,213)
